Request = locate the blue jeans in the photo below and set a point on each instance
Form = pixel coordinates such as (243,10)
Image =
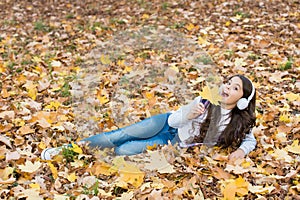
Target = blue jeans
(135,138)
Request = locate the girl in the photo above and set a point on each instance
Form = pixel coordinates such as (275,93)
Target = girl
(226,125)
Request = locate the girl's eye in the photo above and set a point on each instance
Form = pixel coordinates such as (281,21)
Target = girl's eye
(236,88)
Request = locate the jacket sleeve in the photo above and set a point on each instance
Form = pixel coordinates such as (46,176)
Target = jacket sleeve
(249,143)
(178,119)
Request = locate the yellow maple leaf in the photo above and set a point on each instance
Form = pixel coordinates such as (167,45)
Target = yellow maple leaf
(152,147)
(53,104)
(202,40)
(294,148)
(211,94)
(105,60)
(102,96)
(232,187)
(100,167)
(292,96)
(36,59)
(2,68)
(35,186)
(6,173)
(127,69)
(190,26)
(72,177)
(76,148)
(30,167)
(53,170)
(284,117)
(128,173)
(32,92)
(145,16)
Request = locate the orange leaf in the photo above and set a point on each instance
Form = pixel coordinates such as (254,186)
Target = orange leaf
(235,187)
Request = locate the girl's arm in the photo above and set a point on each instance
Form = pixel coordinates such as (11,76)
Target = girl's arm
(181,117)
(248,143)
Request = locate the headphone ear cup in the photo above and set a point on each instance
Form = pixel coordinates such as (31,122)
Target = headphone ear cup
(242,103)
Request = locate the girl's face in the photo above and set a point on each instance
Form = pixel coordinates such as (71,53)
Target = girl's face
(231,92)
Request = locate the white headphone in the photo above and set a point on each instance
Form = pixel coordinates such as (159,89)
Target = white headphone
(244,102)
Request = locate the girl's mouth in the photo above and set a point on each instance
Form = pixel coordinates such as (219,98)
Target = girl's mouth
(224,94)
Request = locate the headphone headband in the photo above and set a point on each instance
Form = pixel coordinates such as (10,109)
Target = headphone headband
(252,92)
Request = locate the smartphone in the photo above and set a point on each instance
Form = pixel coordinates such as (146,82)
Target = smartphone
(205,102)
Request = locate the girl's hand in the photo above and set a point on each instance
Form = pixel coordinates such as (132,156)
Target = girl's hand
(196,110)
(239,153)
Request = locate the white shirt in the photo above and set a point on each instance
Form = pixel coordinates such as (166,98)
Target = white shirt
(179,120)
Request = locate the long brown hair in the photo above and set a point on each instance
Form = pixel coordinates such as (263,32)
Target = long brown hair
(241,121)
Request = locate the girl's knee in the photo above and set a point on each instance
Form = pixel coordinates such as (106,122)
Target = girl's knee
(129,148)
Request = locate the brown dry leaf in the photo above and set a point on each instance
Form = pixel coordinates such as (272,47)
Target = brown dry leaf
(24,130)
(100,168)
(260,189)
(5,140)
(5,128)
(220,173)
(159,163)
(7,114)
(12,156)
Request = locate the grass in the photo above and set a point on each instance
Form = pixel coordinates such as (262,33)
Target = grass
(286,66)
(205,59)
(69,154)
(41,26)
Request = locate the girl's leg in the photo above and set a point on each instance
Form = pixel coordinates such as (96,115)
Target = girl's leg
(138,146)
(146,128)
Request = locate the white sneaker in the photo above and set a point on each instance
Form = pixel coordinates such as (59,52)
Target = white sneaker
(49,153)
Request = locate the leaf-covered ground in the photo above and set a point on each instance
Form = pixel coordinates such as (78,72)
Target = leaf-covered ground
(71,69)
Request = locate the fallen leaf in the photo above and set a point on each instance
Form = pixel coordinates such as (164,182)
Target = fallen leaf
(53,170)
(211,94)
(105,60)
(259,189)
(76,148)
(294,147)
(158,162)
(5,140)
(24,130)
(72,177)
(282,154)
(30,167)
(128,173)
(32,194)
(7,114)
(100,168)
(12,156)
(235,187)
